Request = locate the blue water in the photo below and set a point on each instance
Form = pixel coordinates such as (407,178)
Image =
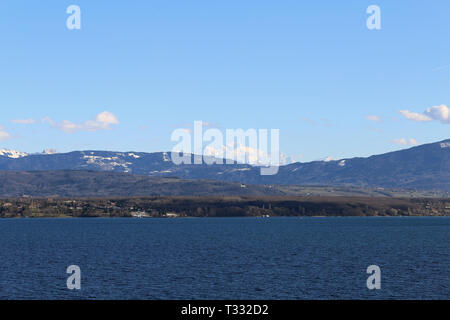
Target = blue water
(276,258)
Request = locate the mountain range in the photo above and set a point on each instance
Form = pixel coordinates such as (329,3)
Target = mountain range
(424,167)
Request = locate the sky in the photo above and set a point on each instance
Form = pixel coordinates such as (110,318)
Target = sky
(138,70)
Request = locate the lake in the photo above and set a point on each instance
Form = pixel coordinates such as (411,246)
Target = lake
(229,258)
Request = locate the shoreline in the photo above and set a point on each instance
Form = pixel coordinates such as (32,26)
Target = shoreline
(200,218)
(222,207)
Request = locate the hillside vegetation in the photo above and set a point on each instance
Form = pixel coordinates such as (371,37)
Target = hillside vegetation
(241,206)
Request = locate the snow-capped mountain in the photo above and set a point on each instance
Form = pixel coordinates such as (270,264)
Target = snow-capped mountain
(422,167)
(14,154)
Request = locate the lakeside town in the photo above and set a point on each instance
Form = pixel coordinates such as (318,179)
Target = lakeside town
(238,206)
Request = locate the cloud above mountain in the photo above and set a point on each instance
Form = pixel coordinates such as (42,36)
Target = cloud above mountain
(23,121)
(4,135)
(405,142)
(437,113)
(102,121)
(373,118)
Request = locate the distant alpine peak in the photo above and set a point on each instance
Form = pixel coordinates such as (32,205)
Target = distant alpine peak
(14,154)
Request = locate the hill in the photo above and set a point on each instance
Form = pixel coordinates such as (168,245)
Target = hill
(425,167)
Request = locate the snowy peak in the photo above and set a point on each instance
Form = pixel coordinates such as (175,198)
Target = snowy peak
(12,153)
(424,167)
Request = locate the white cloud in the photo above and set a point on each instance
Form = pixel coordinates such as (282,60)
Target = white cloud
(103,121)
(106,118)
(413,116)
(70,127)
(405,142)
(48,120)
(4,135)
(437,113)
(440,113)
(23,121)
(373,118)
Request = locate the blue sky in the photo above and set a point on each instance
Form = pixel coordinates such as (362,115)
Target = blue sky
(309,68)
